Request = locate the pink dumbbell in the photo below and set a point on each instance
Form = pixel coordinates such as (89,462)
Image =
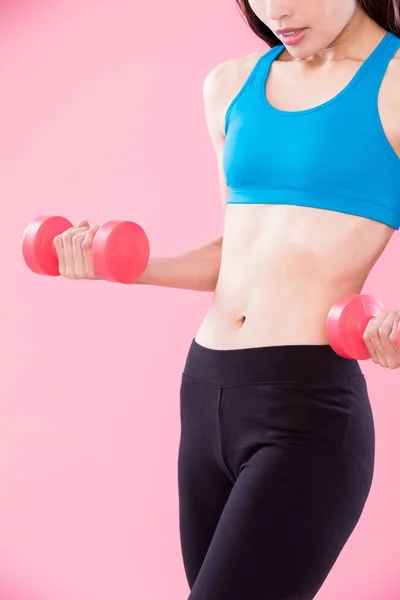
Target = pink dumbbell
(346,324)
(120,249)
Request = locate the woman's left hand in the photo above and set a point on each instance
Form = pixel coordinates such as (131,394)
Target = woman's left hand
(381,339)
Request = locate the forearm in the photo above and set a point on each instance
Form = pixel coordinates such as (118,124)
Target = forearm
(197,269)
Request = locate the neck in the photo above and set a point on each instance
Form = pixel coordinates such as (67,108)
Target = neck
(356,42)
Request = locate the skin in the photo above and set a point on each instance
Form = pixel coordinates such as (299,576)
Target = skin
(283,267)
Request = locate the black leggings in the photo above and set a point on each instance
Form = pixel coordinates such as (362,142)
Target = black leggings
(275,465)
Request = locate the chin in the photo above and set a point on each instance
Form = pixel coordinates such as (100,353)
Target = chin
(303,50)
(298,52)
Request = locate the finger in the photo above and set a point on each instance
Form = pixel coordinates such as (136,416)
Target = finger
(83,223)
(379,351)
(394,363)
(68,236)
(59,248)
(378,334)
(372,339)
(79,261)
(385,335)
(369,342)
(87,251)
(394,336)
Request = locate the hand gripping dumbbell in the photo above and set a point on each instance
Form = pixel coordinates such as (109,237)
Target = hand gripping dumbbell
(346,324)
(120,249)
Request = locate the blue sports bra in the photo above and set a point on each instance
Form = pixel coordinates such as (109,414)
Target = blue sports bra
(334,156)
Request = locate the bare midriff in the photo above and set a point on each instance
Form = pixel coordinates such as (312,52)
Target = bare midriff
(282,269)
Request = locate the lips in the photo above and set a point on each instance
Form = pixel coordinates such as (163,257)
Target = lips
(291,37)
(288,31)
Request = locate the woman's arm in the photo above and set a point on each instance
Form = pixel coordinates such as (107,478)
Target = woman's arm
(198,269)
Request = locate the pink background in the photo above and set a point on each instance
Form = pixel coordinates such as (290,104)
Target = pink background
(102,117)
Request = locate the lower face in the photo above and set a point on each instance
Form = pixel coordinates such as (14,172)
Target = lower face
(320,22)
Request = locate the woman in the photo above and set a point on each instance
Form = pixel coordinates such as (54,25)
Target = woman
(277,446)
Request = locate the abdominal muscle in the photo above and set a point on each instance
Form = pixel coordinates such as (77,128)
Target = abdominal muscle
(282,269)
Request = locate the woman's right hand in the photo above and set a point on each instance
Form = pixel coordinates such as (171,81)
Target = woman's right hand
(74,251)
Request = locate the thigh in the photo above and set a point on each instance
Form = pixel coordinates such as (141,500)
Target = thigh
(286,520)
(202,484)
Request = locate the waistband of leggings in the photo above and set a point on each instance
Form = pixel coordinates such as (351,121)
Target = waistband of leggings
(299,363)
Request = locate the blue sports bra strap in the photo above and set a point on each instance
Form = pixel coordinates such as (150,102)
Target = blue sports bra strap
(263,64)
(373,69)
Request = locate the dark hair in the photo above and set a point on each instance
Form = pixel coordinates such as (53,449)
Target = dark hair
(384,12)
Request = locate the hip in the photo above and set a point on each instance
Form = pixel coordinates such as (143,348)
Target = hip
(271,364)
(289,398)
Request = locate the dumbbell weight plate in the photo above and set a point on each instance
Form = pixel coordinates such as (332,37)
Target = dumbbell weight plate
(120,251)
(37,244)
(347,322)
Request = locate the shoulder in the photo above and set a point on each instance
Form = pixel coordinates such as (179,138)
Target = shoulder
(224,81)
(392,76)
(233,66)
(395,62)
(228,72)
(389,103)
(390,89)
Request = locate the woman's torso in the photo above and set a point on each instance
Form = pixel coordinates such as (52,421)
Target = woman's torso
(284,266)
